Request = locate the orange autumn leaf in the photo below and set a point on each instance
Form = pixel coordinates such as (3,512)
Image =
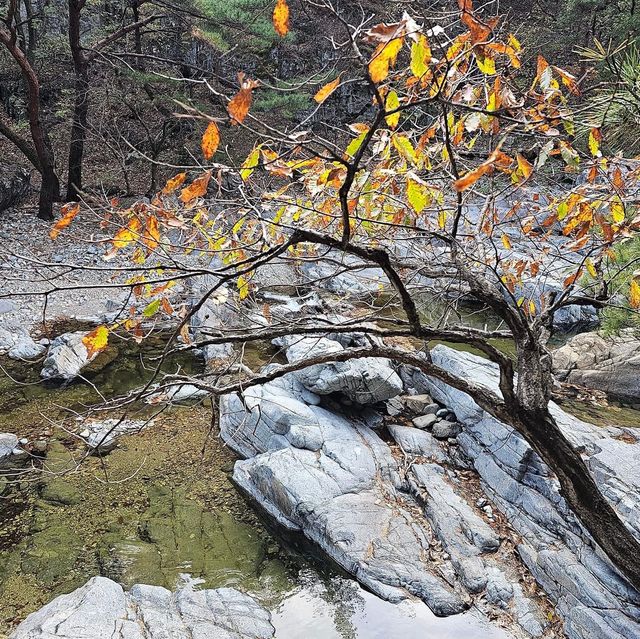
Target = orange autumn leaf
(166,306)
(383,58)
(197,188)
(69,211)
(210,141)
(152,236)
(175,182)
(240,104)
(324,92)
(96,341)
(497,159)
(281,18)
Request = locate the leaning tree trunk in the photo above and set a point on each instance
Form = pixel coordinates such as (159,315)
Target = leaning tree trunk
(530,415)
(582,493)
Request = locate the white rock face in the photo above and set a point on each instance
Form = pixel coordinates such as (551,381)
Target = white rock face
(67,356)
(610,364)
(102,610)
(8,442)
(18,344)
(365,381)
(335,480)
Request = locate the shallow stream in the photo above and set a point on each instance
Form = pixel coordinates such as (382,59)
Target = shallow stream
(161,509)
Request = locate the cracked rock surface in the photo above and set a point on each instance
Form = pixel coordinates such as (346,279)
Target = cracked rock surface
(101,609)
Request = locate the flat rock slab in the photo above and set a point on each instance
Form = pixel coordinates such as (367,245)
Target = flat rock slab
(336,481)
(102,609)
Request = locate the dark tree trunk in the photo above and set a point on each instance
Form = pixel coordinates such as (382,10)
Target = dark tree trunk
(81,103)
(49,192)
(581,492)
(531,417)
(78,132)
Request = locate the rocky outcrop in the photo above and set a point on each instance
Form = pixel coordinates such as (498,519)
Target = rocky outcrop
(365,381)
(8,443)
(102,436)
(14,184)
(609,364)
(101,608)
(592,598)
(66,357)
(334,479)
(19,345)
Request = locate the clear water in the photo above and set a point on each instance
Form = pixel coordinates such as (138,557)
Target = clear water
(162,506)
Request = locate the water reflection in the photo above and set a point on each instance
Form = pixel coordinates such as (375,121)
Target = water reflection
(342,610)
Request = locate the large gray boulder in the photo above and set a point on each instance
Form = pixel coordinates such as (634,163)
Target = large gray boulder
(594,600)
(335,480)
(365,381)
(66,357)
(609,364)
(8,443)
(102,609)
(19,345)
(14,184)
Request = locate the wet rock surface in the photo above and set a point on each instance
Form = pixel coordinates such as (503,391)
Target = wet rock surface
(101,608)
(399,524)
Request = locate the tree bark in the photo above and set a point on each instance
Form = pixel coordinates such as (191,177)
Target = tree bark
(81,103)
(50,187)
(581,491)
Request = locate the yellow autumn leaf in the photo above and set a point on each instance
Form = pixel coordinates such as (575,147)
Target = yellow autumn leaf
(281,18)
(391,104)
(383,58)
(420,56)
(250,164)
(210,141)
(417,195)
(325,91)
(591,267)
(617,212)
(506,242)
(524,166)
(442,219)
(595,136)
(404,147)
(243,287)
(634,294)
(96,341)
(486,65)
(355,144)
(127,234)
